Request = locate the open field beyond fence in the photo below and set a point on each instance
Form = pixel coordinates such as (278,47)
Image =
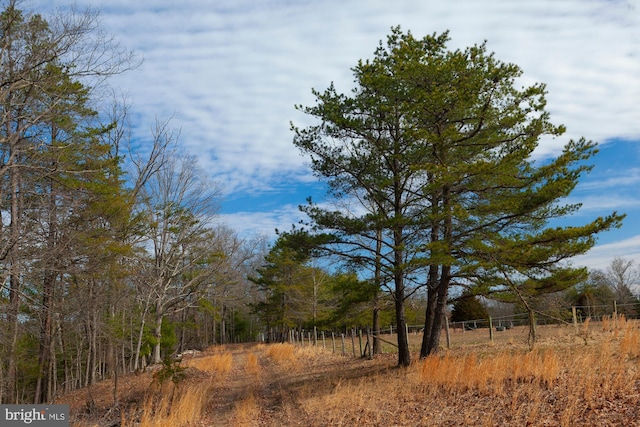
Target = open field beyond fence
(354,342)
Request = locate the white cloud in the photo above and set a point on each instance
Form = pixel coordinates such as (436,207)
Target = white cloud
(231,71)
(600,257)
(616,179)
(263,223)
(608,203)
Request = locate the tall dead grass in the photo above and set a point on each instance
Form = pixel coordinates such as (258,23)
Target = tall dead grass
(172,406)
(281,352)
(462,373)
(630,342)
(556,385)
(182,404)
(218,363)
(562,383)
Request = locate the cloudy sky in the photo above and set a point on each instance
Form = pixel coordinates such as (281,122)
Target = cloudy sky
(229,73)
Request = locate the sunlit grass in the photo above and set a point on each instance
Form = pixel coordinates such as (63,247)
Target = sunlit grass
(281,352)
(180,406)
(561,381)
(252,364)
(217,363)
(521,386)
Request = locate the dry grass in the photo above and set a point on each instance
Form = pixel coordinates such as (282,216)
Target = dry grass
(281,352)
(584,377)
(538,388)
(171,406)
(245,413)
(218,363)
(252,364)
(554,385)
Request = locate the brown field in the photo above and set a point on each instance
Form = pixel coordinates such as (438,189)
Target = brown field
(584,377)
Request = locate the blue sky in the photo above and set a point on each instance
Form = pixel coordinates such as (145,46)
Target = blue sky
(229,72)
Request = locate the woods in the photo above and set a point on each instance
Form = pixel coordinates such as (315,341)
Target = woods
(112,255)
(104,250)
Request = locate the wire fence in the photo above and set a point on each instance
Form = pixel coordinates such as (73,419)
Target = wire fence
(564,315)
(357,342)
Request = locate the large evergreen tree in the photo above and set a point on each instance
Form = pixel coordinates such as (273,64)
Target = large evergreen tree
(431,160)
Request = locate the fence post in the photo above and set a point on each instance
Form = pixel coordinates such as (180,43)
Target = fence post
(333,341)
(446,330)
(323,343)
(490,329)
(575,318)
(360,341)
(369,343)
(406,333)
(353,341)
(315,336)
(343,349)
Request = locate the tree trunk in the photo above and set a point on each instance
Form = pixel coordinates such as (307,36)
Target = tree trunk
(15,284)
(432,283)
(136,362)
(157,334)
(404,356)
(223,325)
(432,300)
(438,315)
(431,341)
(377,343)
(44,352)
(532,329)
(12,317)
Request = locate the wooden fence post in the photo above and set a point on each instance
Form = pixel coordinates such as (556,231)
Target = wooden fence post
(343,349)
(406,333)
(353,341)
(333,341)
(360,341)
(575,318)
(446,330)
(490,329)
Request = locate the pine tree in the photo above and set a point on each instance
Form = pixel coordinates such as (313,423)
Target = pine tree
(430,158)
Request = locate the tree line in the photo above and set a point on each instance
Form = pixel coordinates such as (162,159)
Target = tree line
(112,257)
(603,293)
